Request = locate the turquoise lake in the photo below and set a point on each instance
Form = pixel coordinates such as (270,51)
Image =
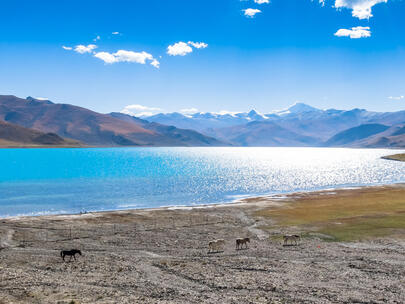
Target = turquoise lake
(52,181)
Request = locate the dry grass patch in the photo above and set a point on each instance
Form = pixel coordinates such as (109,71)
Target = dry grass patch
(400,157)
(345,215)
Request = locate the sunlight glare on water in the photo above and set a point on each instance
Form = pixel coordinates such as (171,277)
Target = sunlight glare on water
(41,181)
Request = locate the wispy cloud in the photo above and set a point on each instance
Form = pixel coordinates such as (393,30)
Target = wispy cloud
(155,63)
(97,38)
(251,12)
(127,56)
(119,56)
(396,97)
(262,1)
(354,32)
(181,48)
(177,49)
(140,110)
(361,9)
(115,33)
(82,49)
(198,45)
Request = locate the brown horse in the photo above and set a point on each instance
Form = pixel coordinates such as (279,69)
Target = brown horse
(241,242)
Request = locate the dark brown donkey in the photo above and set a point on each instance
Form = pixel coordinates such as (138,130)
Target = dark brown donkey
(71,253)
(241,242)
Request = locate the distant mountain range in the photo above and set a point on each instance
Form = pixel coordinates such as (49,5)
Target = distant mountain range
(299,125)
(95,129)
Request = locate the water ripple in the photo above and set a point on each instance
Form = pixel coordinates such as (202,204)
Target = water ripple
(37,181)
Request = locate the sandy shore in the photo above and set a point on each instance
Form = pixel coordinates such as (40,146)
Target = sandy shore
(161,256)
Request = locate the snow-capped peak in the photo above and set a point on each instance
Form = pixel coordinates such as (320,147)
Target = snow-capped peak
(297,108)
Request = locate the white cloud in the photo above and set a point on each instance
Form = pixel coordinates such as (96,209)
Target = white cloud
(179,49)
(262,1)
(360,8)
(97,38)
(130,56)
(67,48)
(251,12)
(198,45)
(396,97)
(140,110)
(189,111)
(115,33)
(82,49)
(354,32)
(127,56)
(155,63)
(106,57)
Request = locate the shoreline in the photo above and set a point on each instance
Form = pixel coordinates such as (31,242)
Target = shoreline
(84,146)
(234,202)
(160,255)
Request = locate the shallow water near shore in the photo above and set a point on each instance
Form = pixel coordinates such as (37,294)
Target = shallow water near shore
(52,181)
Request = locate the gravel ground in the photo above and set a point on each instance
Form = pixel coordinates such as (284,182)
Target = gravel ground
(161,256)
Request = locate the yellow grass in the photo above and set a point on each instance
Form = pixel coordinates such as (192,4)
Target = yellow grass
(400,157)
(347,215)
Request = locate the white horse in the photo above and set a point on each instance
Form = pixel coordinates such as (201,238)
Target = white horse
(216,245)
(292,237)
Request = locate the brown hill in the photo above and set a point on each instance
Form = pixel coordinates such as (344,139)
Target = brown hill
(88,126)
(12,135)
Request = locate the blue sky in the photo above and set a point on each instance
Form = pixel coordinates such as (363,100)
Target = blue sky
(336,54)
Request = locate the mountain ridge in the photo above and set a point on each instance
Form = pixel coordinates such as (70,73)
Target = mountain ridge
(314,125)
(298,125)
(89,127)
(356,134)
(12,135)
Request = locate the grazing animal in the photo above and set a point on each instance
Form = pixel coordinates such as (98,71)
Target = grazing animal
(71,253)
(216,245)
(291,237)
(241,242)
